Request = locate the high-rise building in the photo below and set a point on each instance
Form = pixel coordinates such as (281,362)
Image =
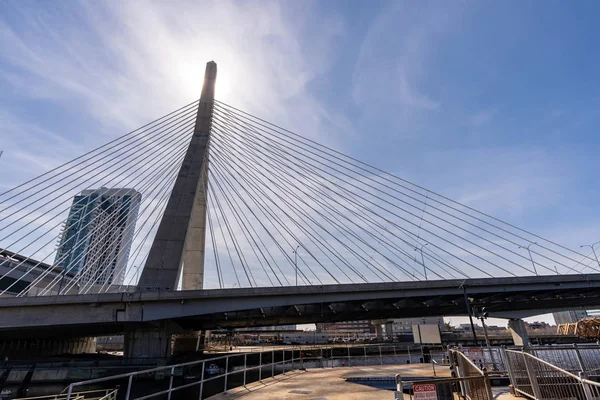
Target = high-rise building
(569,317)
(97,236)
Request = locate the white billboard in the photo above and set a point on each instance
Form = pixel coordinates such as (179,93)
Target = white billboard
(427,334)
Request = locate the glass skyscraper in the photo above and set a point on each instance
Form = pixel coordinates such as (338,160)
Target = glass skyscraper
(97,235)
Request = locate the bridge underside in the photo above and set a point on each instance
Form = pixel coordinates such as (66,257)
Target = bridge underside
(91,315)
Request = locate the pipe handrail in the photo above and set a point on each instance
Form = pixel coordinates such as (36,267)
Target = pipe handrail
(582,380)
(461,354)
(189,363)
(301,359)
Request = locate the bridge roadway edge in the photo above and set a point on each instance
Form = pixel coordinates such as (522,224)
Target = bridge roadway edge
(98,314)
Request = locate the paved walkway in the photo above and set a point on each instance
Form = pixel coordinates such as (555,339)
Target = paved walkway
(331,384)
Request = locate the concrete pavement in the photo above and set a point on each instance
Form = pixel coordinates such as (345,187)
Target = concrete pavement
(329,384)
(332,384)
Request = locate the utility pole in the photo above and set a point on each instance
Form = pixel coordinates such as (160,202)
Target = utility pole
(470,314)
(483,316)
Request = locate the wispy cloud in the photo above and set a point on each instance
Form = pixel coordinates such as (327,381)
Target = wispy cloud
(111,67)
(392,69)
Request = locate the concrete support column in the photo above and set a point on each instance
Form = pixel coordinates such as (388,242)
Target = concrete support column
(519,332)
(144,342)
(389,330)
(379,331)
(185,343)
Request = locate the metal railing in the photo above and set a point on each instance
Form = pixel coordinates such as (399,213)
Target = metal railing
(101,394)
(413,350)
(238,369)
(467,381)
(539,379)
(479,386)
(574,358)
(489,358)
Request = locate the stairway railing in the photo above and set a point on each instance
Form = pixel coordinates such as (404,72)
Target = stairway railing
(541,380)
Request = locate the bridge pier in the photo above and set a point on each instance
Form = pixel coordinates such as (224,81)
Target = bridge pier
(190,342)
(389,330)
(518,331)
(378,330)
(147,342)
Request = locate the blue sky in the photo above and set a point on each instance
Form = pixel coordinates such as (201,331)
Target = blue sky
(495,104)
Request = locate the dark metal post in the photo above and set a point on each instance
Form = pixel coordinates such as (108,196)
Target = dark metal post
(470,314)
(201,381)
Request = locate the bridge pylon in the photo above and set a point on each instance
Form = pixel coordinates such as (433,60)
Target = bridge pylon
(180,239)
(179,245)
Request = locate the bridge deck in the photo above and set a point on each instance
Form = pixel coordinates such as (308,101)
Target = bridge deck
(226,308)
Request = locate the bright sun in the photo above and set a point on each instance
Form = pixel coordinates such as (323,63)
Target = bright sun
(191,80)
(223,85)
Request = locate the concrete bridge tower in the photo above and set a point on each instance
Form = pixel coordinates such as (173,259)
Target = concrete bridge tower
(179,242)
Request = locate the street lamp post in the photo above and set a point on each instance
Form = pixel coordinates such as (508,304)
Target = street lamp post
(593,249)
(530,256)
(296,263)
(469,313)
(422,258)
(483,314)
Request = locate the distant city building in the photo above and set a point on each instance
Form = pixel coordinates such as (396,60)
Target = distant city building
(97,236)
(19,273)
(568,317)
(404,325)
(268,328)
(538,325)
(346,327)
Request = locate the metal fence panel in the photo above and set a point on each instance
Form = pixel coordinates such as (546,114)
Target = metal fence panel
(541,380)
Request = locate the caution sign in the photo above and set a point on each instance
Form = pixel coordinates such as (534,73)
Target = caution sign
(425,391)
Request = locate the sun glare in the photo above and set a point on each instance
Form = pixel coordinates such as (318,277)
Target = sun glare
(223,85)
(191,80)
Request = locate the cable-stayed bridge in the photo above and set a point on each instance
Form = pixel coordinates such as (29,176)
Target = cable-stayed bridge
(212,217)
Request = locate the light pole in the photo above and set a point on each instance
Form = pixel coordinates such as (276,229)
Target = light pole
(422,258)
(593,249)
(530,256)
(483,314)
(469,313)
(296,263)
